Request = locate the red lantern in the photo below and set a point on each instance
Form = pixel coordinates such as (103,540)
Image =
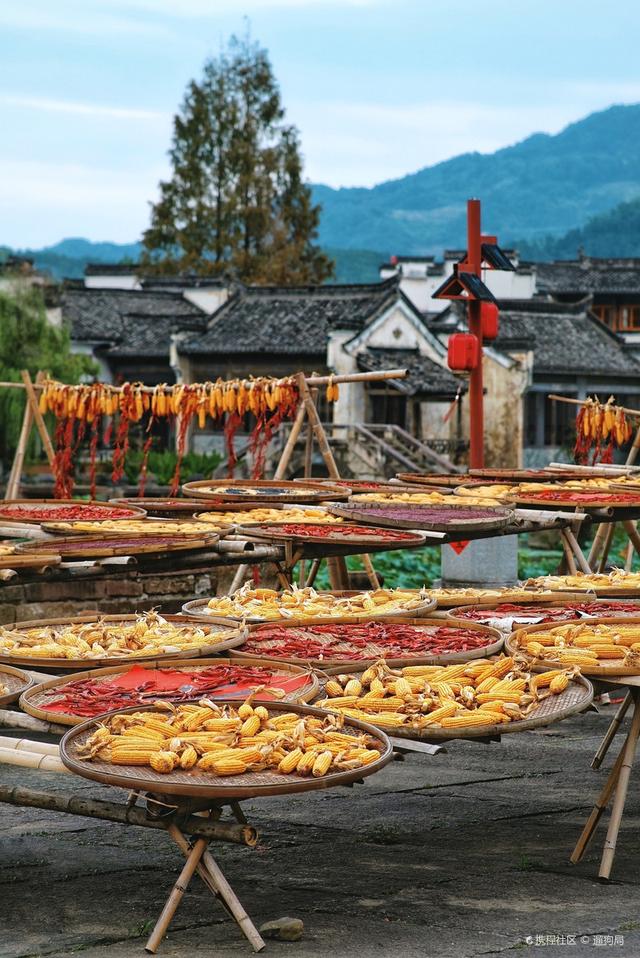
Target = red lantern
(463,352)
(489,320)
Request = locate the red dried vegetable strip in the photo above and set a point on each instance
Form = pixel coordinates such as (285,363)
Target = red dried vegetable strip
(356,642)
(307,530)
(55,513)
(603,498)
(89,697)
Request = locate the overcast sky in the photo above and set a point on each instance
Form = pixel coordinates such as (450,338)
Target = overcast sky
(378,88)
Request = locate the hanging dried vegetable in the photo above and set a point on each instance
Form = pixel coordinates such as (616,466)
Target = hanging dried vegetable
(224,402)
(599,429)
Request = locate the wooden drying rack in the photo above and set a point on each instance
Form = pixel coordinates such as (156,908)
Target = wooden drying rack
(308,387)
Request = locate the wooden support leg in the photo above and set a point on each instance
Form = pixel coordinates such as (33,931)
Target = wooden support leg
(632,532)
(628,562)
(617,808)
(371,572)
(37,415)
(12,490)
(287,452)
(214,879)
(568,554)
(601,803)
(238,578)
(611,528)
(596,545)
(313,571)
(318,431)
(577,551)
(611,732)
(193,860)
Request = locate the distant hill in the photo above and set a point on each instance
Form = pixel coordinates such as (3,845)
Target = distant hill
(544,185)
(68,258)
(616,233)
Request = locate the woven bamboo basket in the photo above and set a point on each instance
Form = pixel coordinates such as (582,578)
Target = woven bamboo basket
(199,784)
(494,642)
(263,491)
(515,644)
(14,682)
(198,608)
(236,636)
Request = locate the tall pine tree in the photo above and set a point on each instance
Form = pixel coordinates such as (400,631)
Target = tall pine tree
(236,202)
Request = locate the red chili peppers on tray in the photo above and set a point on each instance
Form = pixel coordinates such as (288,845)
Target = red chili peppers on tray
(61,512)
(138,686)
(588,498)
(507,610)
(307,530)
(357,641)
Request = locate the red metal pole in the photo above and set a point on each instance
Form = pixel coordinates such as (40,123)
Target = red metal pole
(476,397)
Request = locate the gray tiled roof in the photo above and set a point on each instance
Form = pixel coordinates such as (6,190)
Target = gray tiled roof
(588,275)
(128,322)
(425,377)
(290,320)
(565,338)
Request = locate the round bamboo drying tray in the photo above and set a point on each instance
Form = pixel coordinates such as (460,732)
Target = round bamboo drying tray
(264,490)
(34,699)
(599,591)
(16,682)
(514,644)
(570,502)
(72,528)
(199,784)
(236,636)
(100,547)
(577,697)
(460,611)
(512,594)
(335,665)
(363,512)
(51,504)
(274,531)
(198,607)
(160,507)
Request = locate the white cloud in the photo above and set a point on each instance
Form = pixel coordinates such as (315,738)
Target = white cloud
(82,109)
(47,201)
(347,143)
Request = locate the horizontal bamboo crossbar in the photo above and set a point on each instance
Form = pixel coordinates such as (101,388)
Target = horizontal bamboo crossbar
(378,376)
(581,402)
(239,834)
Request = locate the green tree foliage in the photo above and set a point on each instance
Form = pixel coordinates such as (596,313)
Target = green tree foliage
(236,202)
(29,341)
(615,233)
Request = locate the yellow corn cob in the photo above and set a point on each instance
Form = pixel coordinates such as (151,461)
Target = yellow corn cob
(290,762)
(390,704)
(322,764)
(262,713)
(251,725)
(353,687)
(188,758)
(499,697)
(487,684)
(609,652)
(468,719)
(306,763)
(227,766)
(559,683)
(403,688)
(134,756)
(445,711)
(163,761)
(340,701)
(157,725)
(369,755)
(377,687)
(333,688)
(245,710)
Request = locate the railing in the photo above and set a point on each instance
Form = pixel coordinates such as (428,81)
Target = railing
(423,448)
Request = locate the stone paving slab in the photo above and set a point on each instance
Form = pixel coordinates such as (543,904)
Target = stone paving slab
(459,855)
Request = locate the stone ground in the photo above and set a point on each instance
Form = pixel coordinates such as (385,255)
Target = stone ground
(459,855)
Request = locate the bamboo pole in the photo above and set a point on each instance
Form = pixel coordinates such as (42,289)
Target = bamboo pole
(21,720)
(215,880)
(378,376)
(596,813)
(47,763)
(581,402)
(568,554)
(611,732)
(318,430)
(124,814)
(577,551)
(13,484)
(287,452)
(28,745)
(37,415)
(617,808)
(174,899)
